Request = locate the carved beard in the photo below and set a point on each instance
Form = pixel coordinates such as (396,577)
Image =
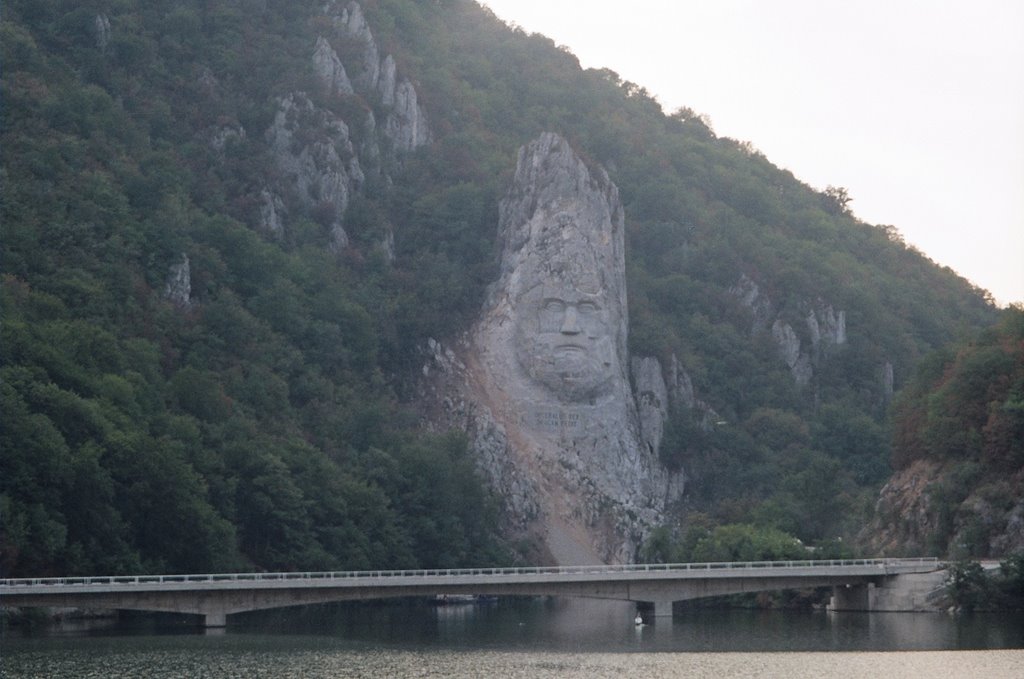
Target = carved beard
(573,373)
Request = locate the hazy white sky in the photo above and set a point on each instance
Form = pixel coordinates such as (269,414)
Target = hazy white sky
(916,107)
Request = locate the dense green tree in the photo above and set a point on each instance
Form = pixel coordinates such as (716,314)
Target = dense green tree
(1011,581)
(968,586)
(727,542)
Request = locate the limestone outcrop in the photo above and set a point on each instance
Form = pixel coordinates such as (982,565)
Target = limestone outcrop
(225,134)
(272,213)
(825,329)
(178,288)
(388,78)
(376,79)
(651,400)
(323,160)
(406,124)
(659,394)
(544,387)
(750,296)
(349,20)
(315,156)
(790,350)
(329,68)
(101,29)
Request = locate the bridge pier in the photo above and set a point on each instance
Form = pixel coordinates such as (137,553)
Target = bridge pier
(663,608)
(850,598)
(656,608)
(215,619)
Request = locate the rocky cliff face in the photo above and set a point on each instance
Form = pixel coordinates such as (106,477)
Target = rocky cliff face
(101,29)
(178,288)
(929,508)
(651,400)
(405,125)
(319,166)
(329,68)
(801,349)
(544,387)
(321,159)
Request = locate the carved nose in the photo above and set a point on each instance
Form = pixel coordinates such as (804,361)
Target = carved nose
(570,324)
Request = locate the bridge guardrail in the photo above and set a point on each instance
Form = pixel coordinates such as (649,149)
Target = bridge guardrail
(515,571)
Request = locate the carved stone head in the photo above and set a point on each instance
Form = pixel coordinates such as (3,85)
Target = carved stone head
(564,332)
(550,363)
(563,275)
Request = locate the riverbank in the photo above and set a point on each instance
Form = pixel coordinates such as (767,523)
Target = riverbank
(999,664)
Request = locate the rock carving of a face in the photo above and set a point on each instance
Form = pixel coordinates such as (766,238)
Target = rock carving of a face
(564,336)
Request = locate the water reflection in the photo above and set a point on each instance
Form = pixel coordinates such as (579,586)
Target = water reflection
(574,625)
(588,625)
(523,637)
(534,637)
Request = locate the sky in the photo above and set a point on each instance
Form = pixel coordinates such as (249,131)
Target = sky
(916,107)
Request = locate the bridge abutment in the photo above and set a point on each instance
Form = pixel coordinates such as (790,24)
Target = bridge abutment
(911,592)
(907,592)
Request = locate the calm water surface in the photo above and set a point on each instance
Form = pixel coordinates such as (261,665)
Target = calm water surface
(527,638)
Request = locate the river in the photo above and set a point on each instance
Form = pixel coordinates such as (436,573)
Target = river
(525,638)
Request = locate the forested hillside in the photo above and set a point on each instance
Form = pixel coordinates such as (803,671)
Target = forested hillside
(958,451)
(191,382)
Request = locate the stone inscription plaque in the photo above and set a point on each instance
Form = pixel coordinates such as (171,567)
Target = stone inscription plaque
(553,420)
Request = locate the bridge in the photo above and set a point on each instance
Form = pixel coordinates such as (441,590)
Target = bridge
(215,596)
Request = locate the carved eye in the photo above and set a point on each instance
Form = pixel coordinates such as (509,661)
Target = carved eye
(586,308)
(554,305)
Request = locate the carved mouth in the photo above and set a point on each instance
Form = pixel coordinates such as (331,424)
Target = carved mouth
(571,348)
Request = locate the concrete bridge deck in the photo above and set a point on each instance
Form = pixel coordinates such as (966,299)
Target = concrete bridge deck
(214,596)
